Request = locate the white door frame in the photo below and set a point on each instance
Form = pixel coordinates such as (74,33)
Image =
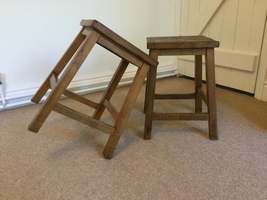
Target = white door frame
(261,85)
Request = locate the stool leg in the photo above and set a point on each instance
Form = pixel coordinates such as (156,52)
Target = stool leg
(148,82)
(198,83)
(111,88)
(146,92)
(63,82)
(59,67)
(125,111)
(150,93)
(211,95)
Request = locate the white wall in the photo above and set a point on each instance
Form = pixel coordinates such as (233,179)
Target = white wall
(35,33)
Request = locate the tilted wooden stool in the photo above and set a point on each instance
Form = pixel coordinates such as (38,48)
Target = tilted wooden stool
(184,45)
(93,32)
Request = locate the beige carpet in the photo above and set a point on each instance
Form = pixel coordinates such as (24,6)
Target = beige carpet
(64,160)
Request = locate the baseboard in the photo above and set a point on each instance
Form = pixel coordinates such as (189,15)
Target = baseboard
(86,85)
(264,95)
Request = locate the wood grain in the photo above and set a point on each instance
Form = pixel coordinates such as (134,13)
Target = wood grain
(63,82)
(122,53)
(112,36)
(113,111)
(198,83)
(81,99)
(211,96)
(59,66)
(150,96)
(175,96)
(111,88)
(180,116)
(124,113)
(83,118)
(181,42)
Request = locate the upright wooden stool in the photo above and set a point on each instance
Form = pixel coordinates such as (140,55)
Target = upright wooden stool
(184,45)
(93,32)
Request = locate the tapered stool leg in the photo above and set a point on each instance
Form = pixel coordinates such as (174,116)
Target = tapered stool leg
(125,111)
(111,88)
(59,67)
(150,93)
(211,94)
(198,83)
(63,82)
(147,89)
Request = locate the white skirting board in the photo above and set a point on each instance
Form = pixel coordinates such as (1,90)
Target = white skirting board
(88,85)
(2,98)
(264,95)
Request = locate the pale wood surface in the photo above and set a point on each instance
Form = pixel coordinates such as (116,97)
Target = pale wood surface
(53,81)
(203,96)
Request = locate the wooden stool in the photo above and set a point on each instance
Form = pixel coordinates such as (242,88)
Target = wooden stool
(184,45)
(93,33)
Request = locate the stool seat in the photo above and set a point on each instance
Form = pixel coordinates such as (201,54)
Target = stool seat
(181,42)
(118,40)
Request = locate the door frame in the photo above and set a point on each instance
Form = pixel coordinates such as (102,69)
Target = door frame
(261,83)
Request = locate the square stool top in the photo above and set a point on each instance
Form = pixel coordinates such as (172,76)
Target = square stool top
(118,40)
(181,42)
